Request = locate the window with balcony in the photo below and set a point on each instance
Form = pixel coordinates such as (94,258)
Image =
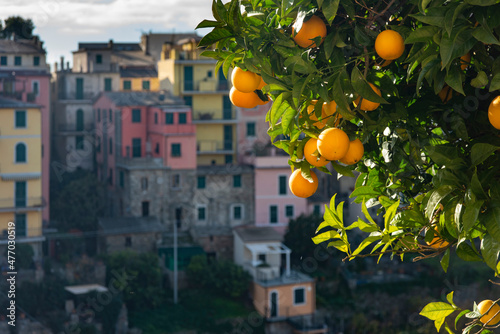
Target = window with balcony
(201,182)
(127,85)
(227,107)
(17,61)
(20,191)
(299,296)
(98,59)
(250,129)
(107,84)
(176,150)
(273,214)
(145,84)
(20,220)
(169,118)
(136,148)
(136,115)
(282,184)
(182,118)
(3,60)
(36,61)
(20,119)
(237,181)
(20,153)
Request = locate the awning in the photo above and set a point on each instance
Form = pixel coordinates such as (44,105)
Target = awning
(20,176)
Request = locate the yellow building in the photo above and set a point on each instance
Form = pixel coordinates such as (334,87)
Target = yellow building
(21,172)
(192,77)
(139,78)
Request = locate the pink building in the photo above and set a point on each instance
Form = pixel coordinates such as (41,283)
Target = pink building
(146,151)
(25,76)
(253,139)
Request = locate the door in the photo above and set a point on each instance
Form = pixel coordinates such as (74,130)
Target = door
(145,209)
(188,78)
(274,304)
(79,120)
(228,137)
(20,192)
(227,107)
(136,148)
(79,88)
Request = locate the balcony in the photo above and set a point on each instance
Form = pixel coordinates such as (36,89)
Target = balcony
(215,147)
(140,163)
(21,204)
(206,117)
(205,87)
(12,95)
(73,129)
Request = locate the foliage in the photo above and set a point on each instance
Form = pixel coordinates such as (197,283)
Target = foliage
(143,286)
(24,256)
(39,298)
(298,234)
(431,167)
(222,276)
(22,28)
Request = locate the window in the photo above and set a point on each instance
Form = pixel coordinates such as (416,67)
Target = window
(121,179)
(20,192)
(289,211)
(98,115)
(110,146)
(176,150)
(20,116)
(237,181)
(237,212)
(145,84)
(156,118)
(35,87)
(136,148)
(136,115)
(169,118)
(262,258)
(201,182)
(79,89)
(79,142)
(251,129)
(273,214)
(299,296)
(145,209)
(209,74)
(128,241)
(20,153)
(144,183)
(20,221)
(228,159)
(79,120)
(36,61)
(176,181)
(127,84)
(98,59)
(110,115)
(157,148)
(17,61)
(282,184)
(202,213)
(110,177)
(188,100)
(3,60)
(182,118)
(107,84)
(98,147)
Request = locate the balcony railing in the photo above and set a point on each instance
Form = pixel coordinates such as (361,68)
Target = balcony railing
(214,146)
(12,95)
(21,203)
(210,116)
(205,86)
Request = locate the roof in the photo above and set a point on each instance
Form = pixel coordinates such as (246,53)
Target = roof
(161,98)
(257,234)
(138,72)
(224,170)
(83,289)
(21,46)
(109,46)
(127,225)
(11,103)
(174,38)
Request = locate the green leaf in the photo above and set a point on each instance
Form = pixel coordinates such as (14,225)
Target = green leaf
(342,170)
(445,260)
(341,100)
(460,315)
(449,298)
(481,151)
(495,82)
(422,34)
(492,222)
(390,213)
(482,2)
(277,110)
(438,323)
(490,248)
(362,87)
(477,187)
(436,197)
(454,79)
(365,191)
(467,253)
(480,80)
(470,215)
(485,35)
(329,9)
(208,24)
(437,310)
(333,219)
(374,236)
(325,236)
(214,36)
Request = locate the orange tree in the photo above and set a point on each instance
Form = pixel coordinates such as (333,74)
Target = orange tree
(418,98)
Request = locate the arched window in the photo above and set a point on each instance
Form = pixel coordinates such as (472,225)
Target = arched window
(79,120)
(20,152)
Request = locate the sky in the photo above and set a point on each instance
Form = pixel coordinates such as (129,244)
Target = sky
(62,24)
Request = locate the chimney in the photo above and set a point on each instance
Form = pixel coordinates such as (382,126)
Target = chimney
(55,66)
(165,51)
(62,63)
(110,44)
(67,65)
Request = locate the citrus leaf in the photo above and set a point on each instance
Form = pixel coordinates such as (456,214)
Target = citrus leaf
(481,152)
(362,87)
(437,310)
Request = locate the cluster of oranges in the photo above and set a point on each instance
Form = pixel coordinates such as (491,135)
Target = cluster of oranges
(245,84)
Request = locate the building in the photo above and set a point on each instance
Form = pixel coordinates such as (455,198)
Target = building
(139,78)
(21,194)
(25,76)
(278,293)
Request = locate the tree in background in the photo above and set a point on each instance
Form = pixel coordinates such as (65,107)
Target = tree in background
(299,233)
(22,28)
(403,92)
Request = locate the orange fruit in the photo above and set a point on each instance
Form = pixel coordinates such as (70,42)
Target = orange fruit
(464,61)
(327,110)
(445,93)
(483,308)
(333,144)
(494,112)
(367,105)
(310,29)
(437,242)
(244,100)
(311,154)
(386,63)
(355,152)
(389,45)
(245,81)
(300,186)
(261,83)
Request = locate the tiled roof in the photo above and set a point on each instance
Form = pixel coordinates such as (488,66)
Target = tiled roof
(174,38)
(138,72)
(161,98)
(115,46)
(10,103)
(21,46)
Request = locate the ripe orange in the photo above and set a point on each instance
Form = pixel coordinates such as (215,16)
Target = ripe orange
(310,29)
(333,144)
(327,110)
(244,100)
(355,152)
(300,186)
(464,61)
(311,154)
(445,93)
(483,307)
(369,105)
(245,81)
(494,112)
(261,83)
(389,45)
(437,242)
